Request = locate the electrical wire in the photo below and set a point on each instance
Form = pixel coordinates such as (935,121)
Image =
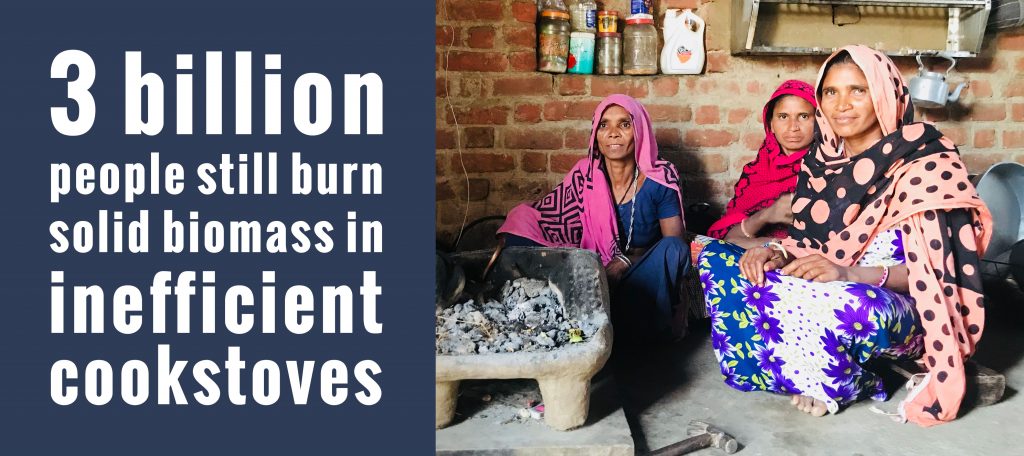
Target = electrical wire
(451,108)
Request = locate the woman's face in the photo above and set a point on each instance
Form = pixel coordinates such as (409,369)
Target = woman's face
(792,123)
(846,104)
(615,134)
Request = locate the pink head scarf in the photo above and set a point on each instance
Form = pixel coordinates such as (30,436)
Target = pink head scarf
(580,212)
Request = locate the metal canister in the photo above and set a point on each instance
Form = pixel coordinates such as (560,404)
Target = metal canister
(640,51)
(607,21)
(609,53)
(553,41)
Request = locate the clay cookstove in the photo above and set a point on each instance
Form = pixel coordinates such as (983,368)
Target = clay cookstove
(562,373)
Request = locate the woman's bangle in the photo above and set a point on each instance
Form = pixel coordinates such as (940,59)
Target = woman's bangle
(743,228)
(776,245)
(624,259)
(885,277)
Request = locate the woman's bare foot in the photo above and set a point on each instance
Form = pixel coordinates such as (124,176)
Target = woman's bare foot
(809,405)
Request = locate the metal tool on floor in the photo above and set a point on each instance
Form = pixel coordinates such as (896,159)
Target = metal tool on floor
(702,435)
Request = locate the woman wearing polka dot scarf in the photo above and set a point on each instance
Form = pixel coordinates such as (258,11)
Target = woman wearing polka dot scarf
(881,260)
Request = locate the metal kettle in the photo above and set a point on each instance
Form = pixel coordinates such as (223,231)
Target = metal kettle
(930,90)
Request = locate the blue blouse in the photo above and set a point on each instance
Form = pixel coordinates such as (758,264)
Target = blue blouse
(653,203)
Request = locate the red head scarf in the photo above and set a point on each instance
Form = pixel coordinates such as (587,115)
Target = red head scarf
(771,174)
(911,179)
(580,211)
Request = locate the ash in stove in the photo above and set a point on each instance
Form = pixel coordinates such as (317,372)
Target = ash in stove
(529,317)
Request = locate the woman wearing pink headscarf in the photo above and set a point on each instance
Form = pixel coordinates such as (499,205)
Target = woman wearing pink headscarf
(624,203)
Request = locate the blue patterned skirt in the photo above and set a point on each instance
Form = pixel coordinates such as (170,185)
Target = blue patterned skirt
(794,336)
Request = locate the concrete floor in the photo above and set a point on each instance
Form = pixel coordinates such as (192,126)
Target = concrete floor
(661,389)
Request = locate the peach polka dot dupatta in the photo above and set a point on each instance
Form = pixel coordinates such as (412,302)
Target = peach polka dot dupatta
(912,179)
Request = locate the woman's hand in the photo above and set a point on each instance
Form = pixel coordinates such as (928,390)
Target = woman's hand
(615,270)
(816,268)
(757,260)
(781,211)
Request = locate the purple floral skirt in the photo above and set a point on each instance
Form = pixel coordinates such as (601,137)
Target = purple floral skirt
(794,336)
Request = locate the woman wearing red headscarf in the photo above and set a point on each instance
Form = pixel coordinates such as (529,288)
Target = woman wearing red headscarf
(760,207)
(881,259)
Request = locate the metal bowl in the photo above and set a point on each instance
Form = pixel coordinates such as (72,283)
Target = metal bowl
(1001,187)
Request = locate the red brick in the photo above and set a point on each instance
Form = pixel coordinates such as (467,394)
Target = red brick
(709,138)
(527,113)
(957,134)
(974,65)
(706,115)
(523,61)
(446,35)
(984,139)
(1010,41)
(477,61)
(562,162)
(754,88)
(1017,111)
(668,139)
(978,163)
(562,110)
(1013,139)
(469,115)
(520,35)
(739,115)
(739,161)
(714,163)
(669,113)
(1014,89)
(532,139)
(444,139)
(681,4)
(571,84)
(443,192)
(524,12)
(718,61)
(479,189)
(609,85)
(481,37)
(796,64)
(665,87)
(535,84)
(439,87)
(576,138)
(462,10)
(705,86)
(753,141)
(478,137)
(523,190)
(988,111)
(440,162)
(482,162)
(535,162)
(1020,64)
(936,115)
(980,89)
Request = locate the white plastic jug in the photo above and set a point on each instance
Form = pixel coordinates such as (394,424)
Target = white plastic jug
(684,43)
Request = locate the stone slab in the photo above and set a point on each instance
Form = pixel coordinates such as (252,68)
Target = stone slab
(492,427)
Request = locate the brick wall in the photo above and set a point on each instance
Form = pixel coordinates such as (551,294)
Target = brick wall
(521,130)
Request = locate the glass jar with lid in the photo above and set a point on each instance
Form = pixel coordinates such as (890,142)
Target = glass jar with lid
(640,46)
(553,41)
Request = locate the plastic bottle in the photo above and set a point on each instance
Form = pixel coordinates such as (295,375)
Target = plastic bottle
(684,43)
(584,15)
(581,53)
